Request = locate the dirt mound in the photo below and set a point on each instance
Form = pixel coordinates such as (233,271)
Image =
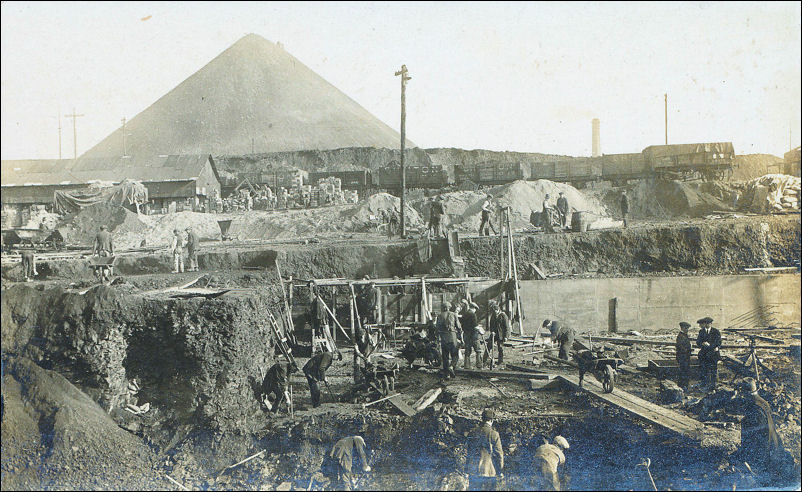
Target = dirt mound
(463,208)
(666,199)
(52,433)
(161,231)
(750,166)
(364,216)
(125,226)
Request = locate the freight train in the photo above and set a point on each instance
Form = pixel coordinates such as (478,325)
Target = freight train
(681,161)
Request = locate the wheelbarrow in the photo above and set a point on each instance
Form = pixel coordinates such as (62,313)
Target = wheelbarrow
(103,266)
(603,368)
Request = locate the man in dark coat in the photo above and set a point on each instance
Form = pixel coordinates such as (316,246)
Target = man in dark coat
(274,385)
(450,331)
(759,440)
(709,343)
(436,211)
(338,464)
(470,334)
(624,207)
(683,351)
(372,298)
(318,317)
(562,209)
(315,372)
(193,243)
(500,327)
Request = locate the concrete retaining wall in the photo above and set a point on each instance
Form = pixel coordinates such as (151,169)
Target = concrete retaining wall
(652,303)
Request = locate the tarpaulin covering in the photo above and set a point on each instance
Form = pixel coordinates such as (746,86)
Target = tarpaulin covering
(658,151)
(128,192)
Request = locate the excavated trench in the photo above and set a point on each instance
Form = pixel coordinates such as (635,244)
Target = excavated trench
(200,362)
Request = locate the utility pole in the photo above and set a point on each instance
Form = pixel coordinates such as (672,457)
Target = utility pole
(74,133)
(59,133)
(666,115)
(125,135)
(404,78)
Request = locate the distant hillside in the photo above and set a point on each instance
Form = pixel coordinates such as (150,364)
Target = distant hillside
(252,93)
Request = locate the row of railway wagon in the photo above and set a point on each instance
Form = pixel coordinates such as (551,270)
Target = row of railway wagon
(682,161)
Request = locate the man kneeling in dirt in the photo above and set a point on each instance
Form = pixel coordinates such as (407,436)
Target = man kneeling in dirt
(274,386)
(338,464)
(547,458)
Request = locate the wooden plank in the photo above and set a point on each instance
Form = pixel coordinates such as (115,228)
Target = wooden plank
(540,274)
(539,374)
(500,374)
(398,282)
(402,407)
(640,408)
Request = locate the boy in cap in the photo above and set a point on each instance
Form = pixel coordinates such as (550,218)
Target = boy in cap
(709,343)
(683,351)
(485,444)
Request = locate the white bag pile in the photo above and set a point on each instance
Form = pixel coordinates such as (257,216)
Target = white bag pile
(773,193)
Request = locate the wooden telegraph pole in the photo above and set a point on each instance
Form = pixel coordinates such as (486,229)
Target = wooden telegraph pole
(125,135)
(404,78)
(665,96)
(74,133)
(59,133)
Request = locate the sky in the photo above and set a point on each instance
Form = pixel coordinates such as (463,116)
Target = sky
(523,77)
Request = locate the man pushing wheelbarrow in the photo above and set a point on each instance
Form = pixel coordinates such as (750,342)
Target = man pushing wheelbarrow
(604,368)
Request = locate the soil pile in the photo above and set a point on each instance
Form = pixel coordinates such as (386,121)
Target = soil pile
(362,217)
(751,166)
(53,434)
(665,199)
(463,208)
(162,226)
(126,227)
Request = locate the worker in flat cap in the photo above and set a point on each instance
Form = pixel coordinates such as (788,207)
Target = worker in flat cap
(683,350)
(450,331)
(486,456)
(709,343)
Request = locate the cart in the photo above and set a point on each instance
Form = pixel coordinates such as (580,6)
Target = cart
(603,368)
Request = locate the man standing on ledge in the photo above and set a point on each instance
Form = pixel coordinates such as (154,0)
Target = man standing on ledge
(683,353)
(709,343)
(562,209)
(435,213)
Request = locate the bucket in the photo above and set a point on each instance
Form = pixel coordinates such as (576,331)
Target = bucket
(581,220)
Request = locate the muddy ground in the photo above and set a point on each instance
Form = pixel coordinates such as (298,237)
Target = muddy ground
(68,358)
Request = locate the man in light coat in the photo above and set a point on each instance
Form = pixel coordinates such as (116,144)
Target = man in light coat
(548,457)
(485,446)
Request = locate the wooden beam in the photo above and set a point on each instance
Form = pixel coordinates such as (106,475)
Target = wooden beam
(538,374)
(641,341)
(388,282)
(502,374)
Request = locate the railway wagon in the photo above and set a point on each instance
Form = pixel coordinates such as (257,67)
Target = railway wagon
(623,166)
(490,172)
(389,177)
(684,161)
(360,180)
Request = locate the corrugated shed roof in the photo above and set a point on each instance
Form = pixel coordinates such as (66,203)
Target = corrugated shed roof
(116,169)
